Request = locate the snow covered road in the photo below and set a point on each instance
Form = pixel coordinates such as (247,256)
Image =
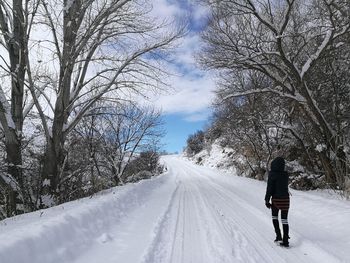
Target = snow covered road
(216,218)
(192,214)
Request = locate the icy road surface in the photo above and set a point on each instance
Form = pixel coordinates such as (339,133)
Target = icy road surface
(192,214)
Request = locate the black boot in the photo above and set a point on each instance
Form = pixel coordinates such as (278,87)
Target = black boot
(278,238)
(284,244)
(277,230)
(285,241)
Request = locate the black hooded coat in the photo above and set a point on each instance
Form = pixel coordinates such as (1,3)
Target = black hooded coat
(277,183)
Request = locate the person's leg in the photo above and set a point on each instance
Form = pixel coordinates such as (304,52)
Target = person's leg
(284,216)
(275,223)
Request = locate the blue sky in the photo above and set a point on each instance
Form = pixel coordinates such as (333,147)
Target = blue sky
(178,129)
(186,107)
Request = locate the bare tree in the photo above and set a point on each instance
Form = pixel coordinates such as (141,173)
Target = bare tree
(286,41)
(251,124)
(102,50)
(16,18)
(128,131)
(104,144)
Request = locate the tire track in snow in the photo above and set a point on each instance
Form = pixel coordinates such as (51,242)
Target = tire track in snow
(177,252)
(233,231)
(311,253)
(211,220)
(179,232)
(195,211)
(252,240)
(190,243)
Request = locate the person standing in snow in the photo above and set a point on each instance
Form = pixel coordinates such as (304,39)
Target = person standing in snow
(277,191)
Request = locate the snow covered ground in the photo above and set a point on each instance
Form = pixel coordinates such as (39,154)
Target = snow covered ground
(189,214)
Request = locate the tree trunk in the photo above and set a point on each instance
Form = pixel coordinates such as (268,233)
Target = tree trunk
(55,155)
(329,171)
(49,176)
(16,49)
(18,65)
(115,175)
(10,200)
(342,167)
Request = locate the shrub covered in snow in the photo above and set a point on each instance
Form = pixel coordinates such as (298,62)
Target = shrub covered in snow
(195,143)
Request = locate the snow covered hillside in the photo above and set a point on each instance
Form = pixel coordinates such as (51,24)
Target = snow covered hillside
(189,214)
(216,156)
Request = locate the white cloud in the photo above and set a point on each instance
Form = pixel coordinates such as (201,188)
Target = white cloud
(200,12)
(187,50)
(164,10)
(193,88)
(190,96)
(202,116)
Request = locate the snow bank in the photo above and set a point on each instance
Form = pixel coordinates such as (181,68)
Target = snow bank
(63,232)
(217,157)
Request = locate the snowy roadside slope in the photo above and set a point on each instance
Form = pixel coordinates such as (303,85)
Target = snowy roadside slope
(216,157)
(62,233)
(192,214)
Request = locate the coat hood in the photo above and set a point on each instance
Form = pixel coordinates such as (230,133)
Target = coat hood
(278,164)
